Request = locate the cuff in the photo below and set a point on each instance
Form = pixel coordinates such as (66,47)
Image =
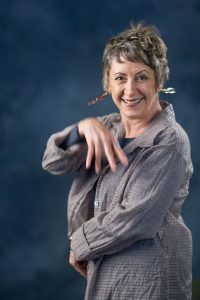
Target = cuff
(73,138)
(80,247)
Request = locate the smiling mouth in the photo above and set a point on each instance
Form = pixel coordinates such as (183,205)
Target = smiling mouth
(132,102)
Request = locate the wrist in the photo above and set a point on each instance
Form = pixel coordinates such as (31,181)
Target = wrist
(80,133)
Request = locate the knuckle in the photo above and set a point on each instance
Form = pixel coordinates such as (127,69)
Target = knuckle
(109,140)
(89,141)
(96,139)
(90,151)
(98,151)
(108,149)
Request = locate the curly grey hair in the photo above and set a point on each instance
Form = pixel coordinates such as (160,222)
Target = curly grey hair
(139,43)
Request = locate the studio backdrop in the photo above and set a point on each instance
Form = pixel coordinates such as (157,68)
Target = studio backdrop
(50,66)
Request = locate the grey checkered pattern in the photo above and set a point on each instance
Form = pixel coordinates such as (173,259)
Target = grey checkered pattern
(134,238)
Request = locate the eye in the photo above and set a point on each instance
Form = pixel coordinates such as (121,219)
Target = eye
(120,78)
(142,77)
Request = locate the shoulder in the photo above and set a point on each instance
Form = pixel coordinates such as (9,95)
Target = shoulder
(175,139)
(174,135)
(110,119)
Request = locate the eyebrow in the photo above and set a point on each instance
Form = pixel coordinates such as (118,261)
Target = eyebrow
(120,73)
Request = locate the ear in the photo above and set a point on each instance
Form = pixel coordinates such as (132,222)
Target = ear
(109,90)
(108,87)
(160,87)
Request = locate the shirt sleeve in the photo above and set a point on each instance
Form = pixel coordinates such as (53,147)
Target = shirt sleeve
(65,152)
(73,138)
(148,195)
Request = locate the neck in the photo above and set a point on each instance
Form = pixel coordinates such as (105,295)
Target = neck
(136,127)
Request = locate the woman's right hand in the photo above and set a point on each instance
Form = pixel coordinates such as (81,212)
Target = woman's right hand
(100,139)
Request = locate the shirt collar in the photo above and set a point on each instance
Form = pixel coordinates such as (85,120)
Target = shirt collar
(164,119)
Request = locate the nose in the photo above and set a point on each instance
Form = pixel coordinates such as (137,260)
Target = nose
(130,88)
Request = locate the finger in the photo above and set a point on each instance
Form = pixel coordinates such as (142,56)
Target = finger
(80,270)
(90,154)
(119,152)
(98,155)
(79,266)
(110,155)
(83,268)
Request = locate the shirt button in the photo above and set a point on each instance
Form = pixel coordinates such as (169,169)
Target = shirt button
(96,203)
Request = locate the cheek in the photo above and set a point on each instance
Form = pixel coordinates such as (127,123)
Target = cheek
(116,89)
(116,98)
(148,90)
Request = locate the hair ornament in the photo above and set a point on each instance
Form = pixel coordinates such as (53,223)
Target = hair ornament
(98,98)
(169,90)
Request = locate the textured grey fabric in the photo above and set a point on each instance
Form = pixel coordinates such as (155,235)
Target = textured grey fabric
(128,224)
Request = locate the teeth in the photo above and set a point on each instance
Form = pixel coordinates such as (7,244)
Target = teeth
(133,100)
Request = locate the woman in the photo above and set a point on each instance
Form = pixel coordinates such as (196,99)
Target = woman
(133,169)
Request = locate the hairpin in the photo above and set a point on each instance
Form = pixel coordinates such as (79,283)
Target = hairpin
(169,90)
(98,98)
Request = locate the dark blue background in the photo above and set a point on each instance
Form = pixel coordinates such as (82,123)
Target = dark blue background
(50,66)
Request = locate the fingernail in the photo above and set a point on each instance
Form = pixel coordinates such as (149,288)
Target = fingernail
(113,168)
(97,170)
(126,160)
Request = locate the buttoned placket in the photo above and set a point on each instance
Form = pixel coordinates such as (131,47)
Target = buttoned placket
(97,202)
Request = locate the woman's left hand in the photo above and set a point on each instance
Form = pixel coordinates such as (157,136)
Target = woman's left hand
(79,266)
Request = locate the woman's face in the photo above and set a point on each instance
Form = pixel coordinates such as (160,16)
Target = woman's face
(133,89)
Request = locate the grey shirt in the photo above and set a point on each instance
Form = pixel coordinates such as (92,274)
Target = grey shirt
(128,225)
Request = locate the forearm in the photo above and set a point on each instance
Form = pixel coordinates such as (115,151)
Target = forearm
(98,237)
(142,211)
(72,139)
(65,152)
